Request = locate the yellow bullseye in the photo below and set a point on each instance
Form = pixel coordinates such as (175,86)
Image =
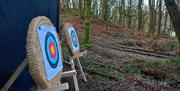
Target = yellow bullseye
(52,50)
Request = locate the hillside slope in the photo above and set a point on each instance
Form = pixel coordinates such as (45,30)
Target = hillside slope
(123,59)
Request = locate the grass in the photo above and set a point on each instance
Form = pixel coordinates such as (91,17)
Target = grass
(171,81)
(92,66)
(176,61)
(130,68)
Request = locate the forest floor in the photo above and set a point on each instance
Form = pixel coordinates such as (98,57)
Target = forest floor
(122,59)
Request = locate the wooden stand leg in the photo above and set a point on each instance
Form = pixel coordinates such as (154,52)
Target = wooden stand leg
(81,69)
(74,76)
(68,73)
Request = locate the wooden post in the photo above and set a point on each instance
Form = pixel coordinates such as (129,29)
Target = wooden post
(68,73)
(74,76)
(81,69)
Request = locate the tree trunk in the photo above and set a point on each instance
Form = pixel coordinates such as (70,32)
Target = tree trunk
(124,16)
(140,12)
(74,4)
(174,13)
(160,18)
(152,19)
(97,9)
(165,23)
(154,16)
(105,10)
(120,12)
(93,10)
(87,5)
(130,14)
(81,9)
(67,4)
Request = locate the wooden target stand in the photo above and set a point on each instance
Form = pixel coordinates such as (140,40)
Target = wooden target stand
(72,43)
(36,60)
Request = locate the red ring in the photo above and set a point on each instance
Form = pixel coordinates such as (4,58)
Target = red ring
(53,50)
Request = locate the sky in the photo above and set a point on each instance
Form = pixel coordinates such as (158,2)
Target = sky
(146,2)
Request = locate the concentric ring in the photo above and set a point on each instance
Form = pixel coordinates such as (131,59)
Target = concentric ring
(51,50)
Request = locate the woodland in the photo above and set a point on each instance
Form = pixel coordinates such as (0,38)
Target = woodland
(133,45)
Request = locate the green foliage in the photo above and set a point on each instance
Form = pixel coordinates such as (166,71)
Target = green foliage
(173,47)
(172,63)
(168,67)
(170,47)
(152,64)
(170,80)
(130,68)
(176,61)
(150,34)
(88,46)
(109,72)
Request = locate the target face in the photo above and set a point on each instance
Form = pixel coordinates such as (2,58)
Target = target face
(51,50)
(74,39)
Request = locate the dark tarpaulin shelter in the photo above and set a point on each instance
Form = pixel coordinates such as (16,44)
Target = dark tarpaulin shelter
(15,16)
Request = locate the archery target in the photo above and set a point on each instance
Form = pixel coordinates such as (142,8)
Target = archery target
(74,39)
(71,40)
(44,53)
(50,49)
